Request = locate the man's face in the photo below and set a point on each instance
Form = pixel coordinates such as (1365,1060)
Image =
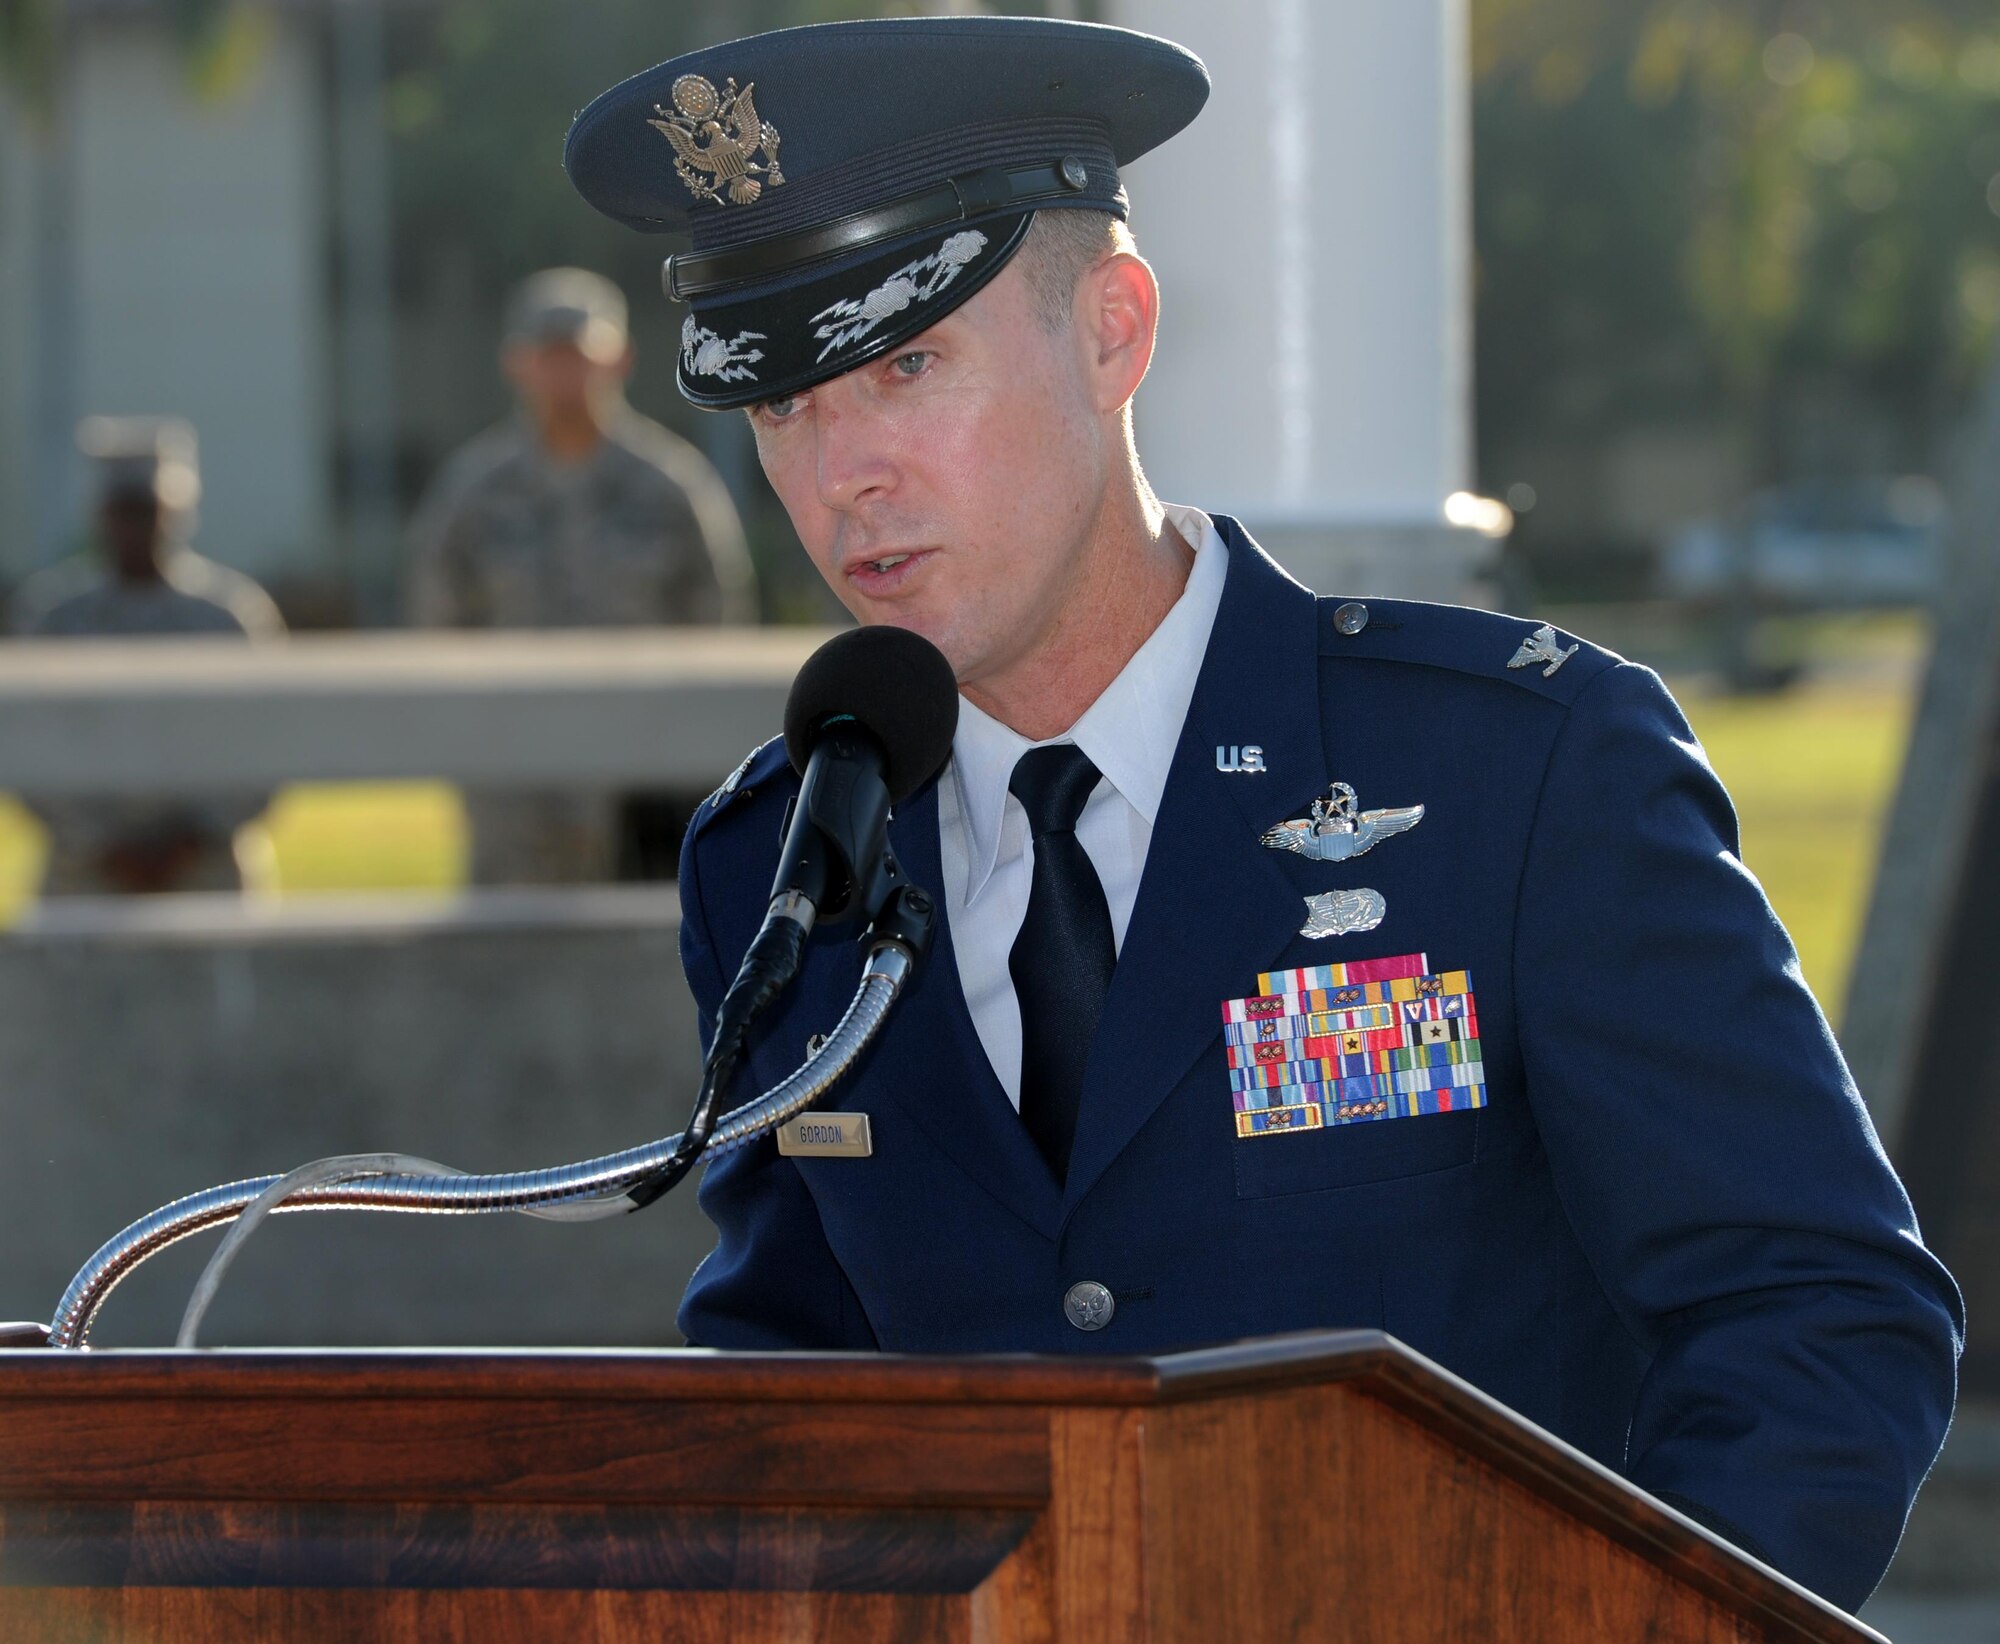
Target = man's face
(130,530)
(559,379)
(950,486)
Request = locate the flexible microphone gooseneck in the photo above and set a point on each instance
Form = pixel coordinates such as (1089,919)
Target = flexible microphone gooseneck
(869,720)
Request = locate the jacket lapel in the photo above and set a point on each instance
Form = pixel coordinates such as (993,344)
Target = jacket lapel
(933,1065)
(1214,908)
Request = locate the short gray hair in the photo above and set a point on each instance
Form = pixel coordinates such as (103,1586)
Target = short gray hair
(1060,247)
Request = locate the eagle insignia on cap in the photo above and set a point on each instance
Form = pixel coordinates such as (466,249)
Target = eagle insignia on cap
(717,137)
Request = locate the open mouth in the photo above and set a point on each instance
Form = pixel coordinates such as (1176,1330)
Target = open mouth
(887,572)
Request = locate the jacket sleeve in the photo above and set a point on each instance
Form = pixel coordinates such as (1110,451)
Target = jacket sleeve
(772,1281)
(1717,1163)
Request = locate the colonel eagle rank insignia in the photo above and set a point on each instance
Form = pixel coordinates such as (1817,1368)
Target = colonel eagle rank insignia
(1335,833)
(1542,646)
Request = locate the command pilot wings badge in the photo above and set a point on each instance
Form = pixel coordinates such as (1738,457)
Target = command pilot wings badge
(717,137)
(1542,646)
(1336,833)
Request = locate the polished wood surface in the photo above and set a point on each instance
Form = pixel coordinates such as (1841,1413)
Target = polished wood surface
(1329,1486)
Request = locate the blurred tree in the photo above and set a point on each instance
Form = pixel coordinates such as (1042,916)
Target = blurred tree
(27,50)
(219,42)
(1735,209)
(484,92)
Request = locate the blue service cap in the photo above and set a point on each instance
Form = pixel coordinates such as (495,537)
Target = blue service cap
(844,186)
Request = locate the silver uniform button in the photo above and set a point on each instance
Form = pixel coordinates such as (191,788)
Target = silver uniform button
(1351,618)
(1089,1305)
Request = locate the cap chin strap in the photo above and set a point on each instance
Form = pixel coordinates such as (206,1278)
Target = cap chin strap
(973,194)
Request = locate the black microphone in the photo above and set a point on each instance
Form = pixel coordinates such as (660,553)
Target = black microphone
(869,721)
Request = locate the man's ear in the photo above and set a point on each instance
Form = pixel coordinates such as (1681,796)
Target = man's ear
(1117,307)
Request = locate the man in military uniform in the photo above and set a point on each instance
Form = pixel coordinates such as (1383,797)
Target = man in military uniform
(1304,962)
(577,513)
(144,581)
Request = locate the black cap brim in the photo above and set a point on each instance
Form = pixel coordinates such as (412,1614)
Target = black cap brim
(769,341)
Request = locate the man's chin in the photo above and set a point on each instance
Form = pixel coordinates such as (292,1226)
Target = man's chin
(939,631)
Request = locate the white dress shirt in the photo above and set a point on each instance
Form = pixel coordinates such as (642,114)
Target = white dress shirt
(1130,733)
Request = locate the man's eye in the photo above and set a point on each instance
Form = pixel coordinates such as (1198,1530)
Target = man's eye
(912,364)
(781,409)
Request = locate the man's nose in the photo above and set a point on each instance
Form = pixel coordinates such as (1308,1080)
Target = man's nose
(853,455)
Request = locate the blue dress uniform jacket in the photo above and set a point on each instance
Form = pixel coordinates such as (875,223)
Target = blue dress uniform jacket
(1669,1236)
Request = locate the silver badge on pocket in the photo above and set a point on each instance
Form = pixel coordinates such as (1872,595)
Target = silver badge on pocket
(1343,912)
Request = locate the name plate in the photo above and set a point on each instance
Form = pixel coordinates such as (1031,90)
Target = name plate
(826,1136)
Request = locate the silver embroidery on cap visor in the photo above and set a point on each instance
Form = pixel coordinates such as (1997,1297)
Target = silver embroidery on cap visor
(852,318)
(704,354)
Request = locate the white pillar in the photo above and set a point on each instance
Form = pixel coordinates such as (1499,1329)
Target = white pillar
(199,268)
(20,155)
(365,373)
(1311,231)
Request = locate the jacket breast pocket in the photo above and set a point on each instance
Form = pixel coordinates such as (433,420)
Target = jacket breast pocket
(1353,1155)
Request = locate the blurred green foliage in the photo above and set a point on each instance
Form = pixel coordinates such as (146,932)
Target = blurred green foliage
(218,39)
(482,94)
(28,49)
(1710,208)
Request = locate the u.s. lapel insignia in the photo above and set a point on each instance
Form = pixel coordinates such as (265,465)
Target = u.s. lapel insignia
(1338,831)
(1542,646)
(1343,912)
(1247,757)
(717,137)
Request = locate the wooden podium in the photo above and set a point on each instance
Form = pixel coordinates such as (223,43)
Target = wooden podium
(1316,1487)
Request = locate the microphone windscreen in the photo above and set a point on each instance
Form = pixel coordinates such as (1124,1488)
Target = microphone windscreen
(900,688)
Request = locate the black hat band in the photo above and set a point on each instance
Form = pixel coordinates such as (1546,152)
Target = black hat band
(972,194)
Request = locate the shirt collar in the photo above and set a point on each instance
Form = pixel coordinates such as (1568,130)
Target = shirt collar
(1130,732)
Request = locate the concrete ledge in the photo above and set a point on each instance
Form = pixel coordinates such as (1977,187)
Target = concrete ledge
(309,917)
(151,1049)
(1952,1545)
(664,708)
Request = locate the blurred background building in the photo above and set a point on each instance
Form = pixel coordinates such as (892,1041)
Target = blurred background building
(1670,320)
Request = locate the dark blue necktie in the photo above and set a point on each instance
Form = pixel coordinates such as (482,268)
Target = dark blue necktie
(1061,962)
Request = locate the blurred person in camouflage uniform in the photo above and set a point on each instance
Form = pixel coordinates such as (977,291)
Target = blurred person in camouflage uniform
(576,513)
(143,581)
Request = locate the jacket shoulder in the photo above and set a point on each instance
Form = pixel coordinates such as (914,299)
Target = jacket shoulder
(764,780)
(726,849)
(1534,656)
